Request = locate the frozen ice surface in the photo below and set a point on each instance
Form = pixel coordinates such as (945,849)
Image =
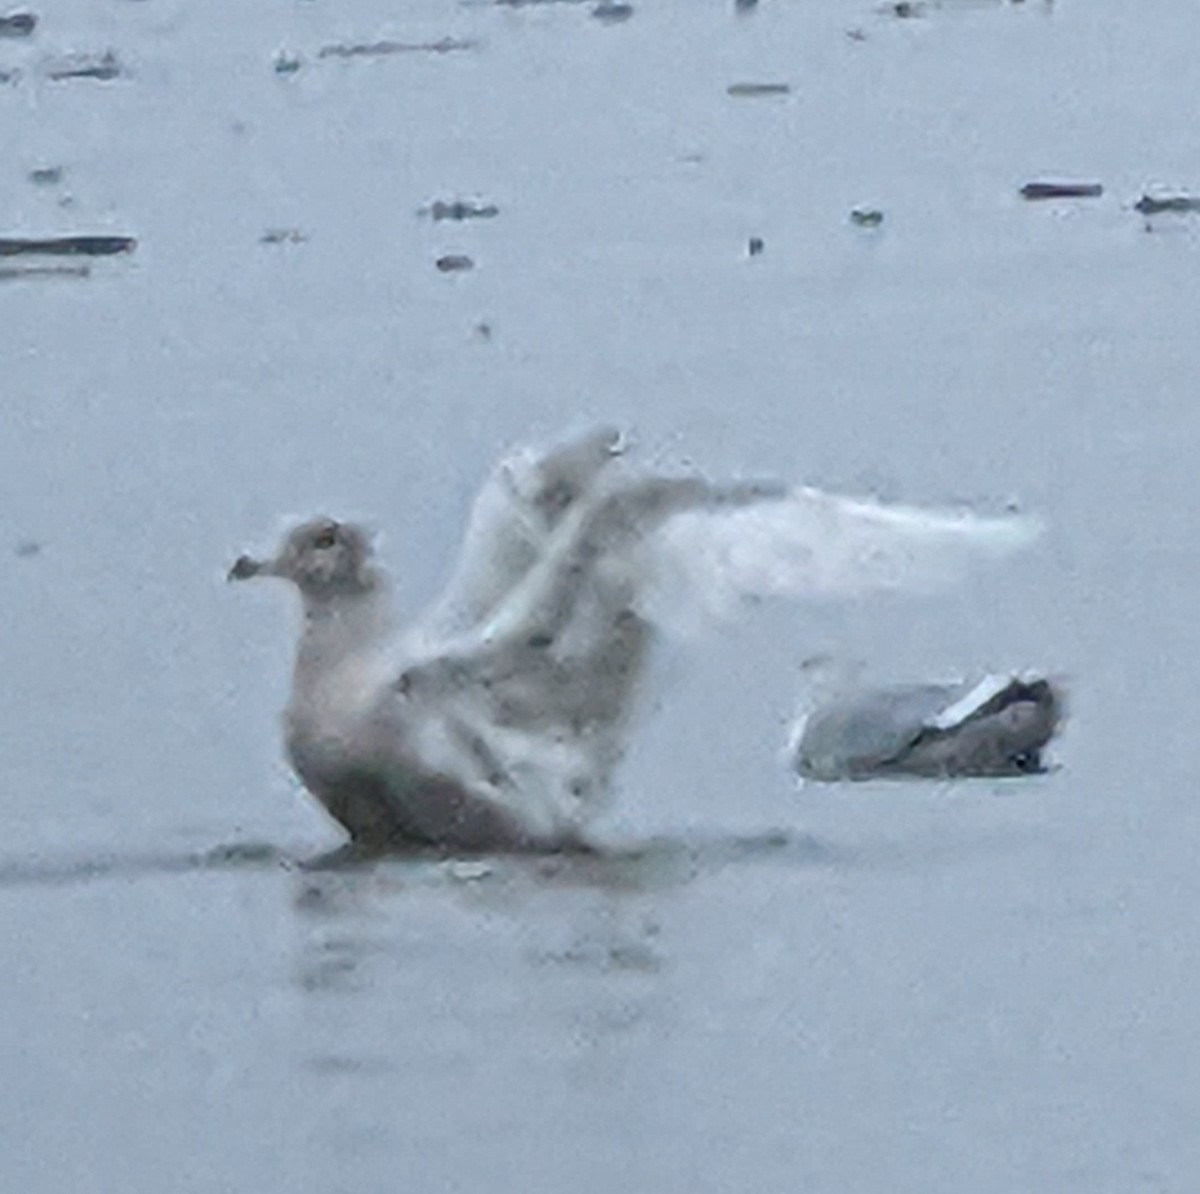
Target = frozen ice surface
(943,990)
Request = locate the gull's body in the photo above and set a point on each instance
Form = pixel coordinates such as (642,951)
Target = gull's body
(496,721)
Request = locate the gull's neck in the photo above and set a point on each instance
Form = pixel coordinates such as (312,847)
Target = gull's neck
(341,664)
(340,630)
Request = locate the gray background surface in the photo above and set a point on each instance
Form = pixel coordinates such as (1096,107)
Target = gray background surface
(924,989)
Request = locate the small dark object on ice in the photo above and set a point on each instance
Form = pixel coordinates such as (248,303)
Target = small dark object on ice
(282,236)
(379,49)
(866,217)
(66,246)
(286,64)
(745,5)
(756,90)
(907,9)
(607,12)
(18,24)
(459,209)
(46,176)
(236,854)
(27,549)
(454,263)
(1148,205)
(86,66)
(997,727)
(756,246)
(17,273)
(1062,190)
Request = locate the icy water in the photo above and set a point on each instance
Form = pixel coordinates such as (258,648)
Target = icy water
(926,989)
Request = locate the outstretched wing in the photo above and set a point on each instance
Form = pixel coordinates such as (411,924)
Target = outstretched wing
(644,551)
(807,543)
(511,521)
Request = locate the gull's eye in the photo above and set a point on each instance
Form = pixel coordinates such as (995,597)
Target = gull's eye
(325,538)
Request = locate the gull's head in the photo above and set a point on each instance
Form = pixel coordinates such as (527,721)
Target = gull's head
(323,558)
